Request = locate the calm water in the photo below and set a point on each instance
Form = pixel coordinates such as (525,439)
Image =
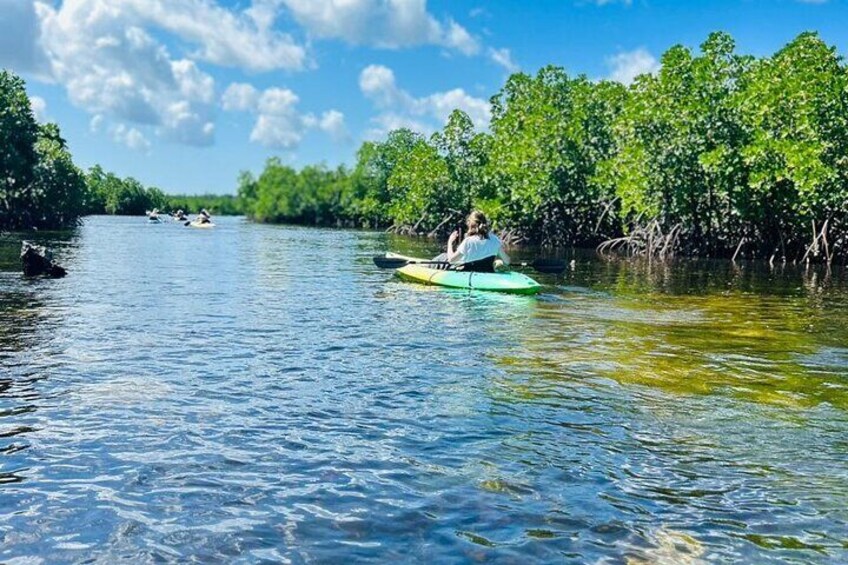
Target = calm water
(257,393)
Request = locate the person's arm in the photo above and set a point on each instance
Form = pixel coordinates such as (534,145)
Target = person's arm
(504,257)
(453,256)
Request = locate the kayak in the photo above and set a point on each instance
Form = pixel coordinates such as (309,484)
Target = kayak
(205,225)
(154,220)
(512,282)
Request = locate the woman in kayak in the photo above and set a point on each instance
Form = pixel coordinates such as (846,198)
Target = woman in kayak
(203,217)
(479,250)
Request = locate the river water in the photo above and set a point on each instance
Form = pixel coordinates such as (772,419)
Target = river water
(266,394)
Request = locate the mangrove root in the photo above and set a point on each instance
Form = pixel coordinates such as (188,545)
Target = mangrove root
(645,241)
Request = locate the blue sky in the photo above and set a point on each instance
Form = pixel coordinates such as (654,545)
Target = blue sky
(183,94)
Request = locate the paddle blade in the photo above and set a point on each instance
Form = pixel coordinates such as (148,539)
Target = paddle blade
(384,262)
(554,266)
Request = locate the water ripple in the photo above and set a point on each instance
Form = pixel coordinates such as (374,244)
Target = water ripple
(264,394)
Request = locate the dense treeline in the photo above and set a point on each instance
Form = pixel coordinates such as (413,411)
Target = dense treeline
(215,204)
(110,194)
(40,187)
(39,184)
(716,154)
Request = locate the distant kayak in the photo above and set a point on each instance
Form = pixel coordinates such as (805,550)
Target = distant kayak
(511,282)
(201,225)
(154,220)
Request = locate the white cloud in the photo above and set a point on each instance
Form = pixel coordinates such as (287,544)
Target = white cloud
(130,137)
(278,123)
(441,104)
(378,84)
(626,66)
(186,123)
(96,123)
(401,109)
(457,37)
(246,40)
(333,123)
(19,38)
(240,96)
(110,55)
(388,121)
(380,23)
(503,57)
(192,82)
(114,68)
(218,35)
(135,64)
(39,108)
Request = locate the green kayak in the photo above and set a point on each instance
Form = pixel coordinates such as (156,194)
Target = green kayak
(512,282)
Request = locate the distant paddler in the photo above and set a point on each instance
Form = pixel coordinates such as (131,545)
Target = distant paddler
(203,217)
(153,216)
(180,215)
(203,220)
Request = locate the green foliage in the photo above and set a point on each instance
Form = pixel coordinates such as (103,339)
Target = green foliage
(679,138)
(420,187)
(313,195)
(714,152)
(110,194)
(549,132)
(39,185)
(795,106)
(58,191)
(733,149)
(215,204)
(375,163)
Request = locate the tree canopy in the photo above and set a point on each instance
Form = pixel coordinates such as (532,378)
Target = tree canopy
(727,152)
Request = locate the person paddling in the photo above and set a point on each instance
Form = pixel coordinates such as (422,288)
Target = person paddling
(203,217)
(480,250)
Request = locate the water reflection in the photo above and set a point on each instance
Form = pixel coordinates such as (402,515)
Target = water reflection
(21,312)
(755,338)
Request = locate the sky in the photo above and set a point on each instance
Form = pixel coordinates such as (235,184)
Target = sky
(184,94)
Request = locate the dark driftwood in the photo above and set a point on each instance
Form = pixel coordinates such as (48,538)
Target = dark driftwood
(37,261)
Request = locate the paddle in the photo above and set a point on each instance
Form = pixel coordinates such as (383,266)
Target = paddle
(554,266)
